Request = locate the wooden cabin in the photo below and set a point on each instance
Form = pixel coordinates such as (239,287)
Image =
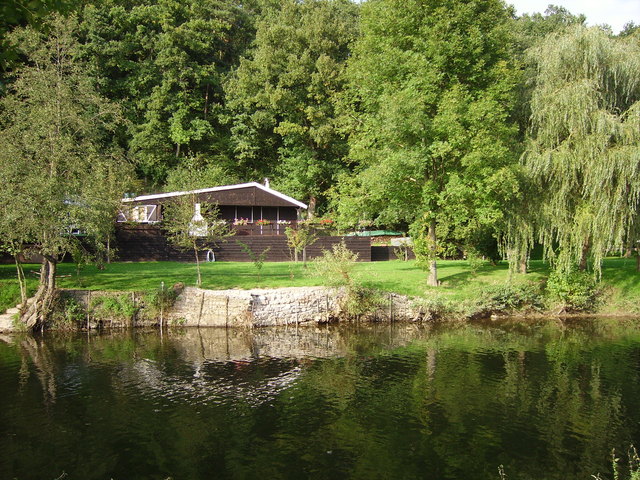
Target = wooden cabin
(251,208)
(259,215)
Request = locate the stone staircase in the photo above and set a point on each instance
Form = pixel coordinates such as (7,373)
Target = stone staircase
(7,323)
(6,319)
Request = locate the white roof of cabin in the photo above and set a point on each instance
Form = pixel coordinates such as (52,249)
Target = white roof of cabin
(156,196)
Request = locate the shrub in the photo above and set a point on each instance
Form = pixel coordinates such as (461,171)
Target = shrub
(68,314)
(163,298)
(113,307)
(474,260)
(513,296)
(576,291)
(335,266)
(160,300)
(437,307)
(360,300)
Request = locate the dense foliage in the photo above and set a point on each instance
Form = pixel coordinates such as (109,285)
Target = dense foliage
(455,121)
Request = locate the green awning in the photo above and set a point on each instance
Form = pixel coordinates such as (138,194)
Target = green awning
(375,233)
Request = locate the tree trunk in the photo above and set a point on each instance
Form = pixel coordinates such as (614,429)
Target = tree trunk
(584,255)
(638,259)
(311,211)
(295,255)
(35,315)
(522,263)
(432,281)
(21,281)
(304,256)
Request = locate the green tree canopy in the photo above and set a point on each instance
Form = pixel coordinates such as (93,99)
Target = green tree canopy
(58,163)
(431,90)
(165,61)
(282,97)
(583,151)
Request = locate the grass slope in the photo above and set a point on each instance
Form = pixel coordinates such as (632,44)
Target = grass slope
(620,280)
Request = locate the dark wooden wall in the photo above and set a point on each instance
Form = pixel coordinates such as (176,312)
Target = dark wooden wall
(145,242)
(381,254)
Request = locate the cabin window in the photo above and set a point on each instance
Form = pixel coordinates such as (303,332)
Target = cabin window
(287,213)
(270,213)
(246,213)
(140,214)
(228,212)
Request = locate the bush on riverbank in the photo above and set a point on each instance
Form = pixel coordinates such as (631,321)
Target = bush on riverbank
(109,308)
(574,291)
(483,301)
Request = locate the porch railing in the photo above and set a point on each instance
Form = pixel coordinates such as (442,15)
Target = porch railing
(257,229)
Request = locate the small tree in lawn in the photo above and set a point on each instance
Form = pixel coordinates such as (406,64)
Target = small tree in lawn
(299,238)
(192,226)
(257,258)
(335,267)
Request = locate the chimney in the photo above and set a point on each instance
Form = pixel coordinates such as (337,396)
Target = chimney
(197,226)
(266,183)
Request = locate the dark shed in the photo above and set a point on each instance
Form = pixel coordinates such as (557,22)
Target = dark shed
(251,207)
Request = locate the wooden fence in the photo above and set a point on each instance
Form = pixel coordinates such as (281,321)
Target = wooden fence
(143,242)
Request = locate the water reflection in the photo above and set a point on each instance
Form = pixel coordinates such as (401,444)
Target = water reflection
(546,399)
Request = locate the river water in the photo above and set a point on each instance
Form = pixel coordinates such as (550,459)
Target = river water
(545,399)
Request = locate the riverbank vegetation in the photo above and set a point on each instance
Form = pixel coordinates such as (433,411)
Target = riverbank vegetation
(466,288)
(478,132)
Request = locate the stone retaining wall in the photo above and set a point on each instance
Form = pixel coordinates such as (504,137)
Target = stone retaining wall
(281,306)
(254,308)
(197,307)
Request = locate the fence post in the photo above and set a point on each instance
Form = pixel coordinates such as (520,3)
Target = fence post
(88,307)
(326,306)
(226,311)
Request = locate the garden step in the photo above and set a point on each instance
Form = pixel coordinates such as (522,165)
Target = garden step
(7,318)
(6,321)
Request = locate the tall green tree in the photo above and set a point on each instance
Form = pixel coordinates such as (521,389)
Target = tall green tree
(16,13)
(282,96)
(583,151)
(165,61)
(535,27)
(431,88)
(194,173)
(59,167)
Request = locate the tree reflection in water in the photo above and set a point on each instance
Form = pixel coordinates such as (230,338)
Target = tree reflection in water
(544,399)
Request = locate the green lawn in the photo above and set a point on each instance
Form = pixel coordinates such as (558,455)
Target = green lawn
(458,282)
(396,276)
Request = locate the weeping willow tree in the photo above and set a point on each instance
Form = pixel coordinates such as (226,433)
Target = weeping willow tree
(583,148)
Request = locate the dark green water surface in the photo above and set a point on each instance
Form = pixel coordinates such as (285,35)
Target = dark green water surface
(546,399)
